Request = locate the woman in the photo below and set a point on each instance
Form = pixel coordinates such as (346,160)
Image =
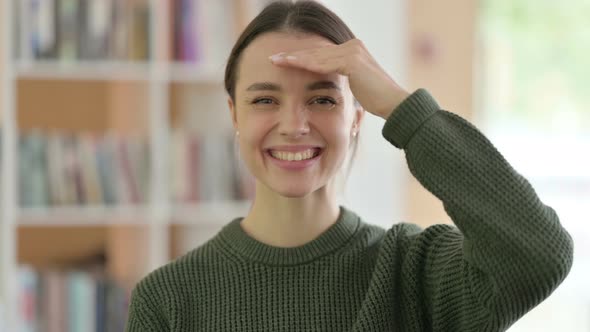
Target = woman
(299,84)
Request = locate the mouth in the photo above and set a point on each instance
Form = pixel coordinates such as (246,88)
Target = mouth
(302,156)
(288,162)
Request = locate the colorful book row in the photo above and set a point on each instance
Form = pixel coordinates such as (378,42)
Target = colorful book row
(71,30)
(60,169)
(200,31)
(55,300)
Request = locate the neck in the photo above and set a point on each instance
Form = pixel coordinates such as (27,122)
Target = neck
(288,222)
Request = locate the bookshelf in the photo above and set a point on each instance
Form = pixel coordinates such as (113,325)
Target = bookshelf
(133,82)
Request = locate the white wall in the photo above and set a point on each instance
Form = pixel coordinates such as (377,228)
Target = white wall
(378,179)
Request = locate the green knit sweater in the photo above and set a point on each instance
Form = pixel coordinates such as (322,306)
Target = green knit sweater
(506,254)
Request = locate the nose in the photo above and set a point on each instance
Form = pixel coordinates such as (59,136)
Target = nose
(294,121)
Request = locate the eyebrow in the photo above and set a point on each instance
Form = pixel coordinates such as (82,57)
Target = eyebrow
(268,86)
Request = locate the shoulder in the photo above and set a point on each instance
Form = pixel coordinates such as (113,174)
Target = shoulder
(403,234)
(406,231)
(172,278)
(409,238)
(373,239)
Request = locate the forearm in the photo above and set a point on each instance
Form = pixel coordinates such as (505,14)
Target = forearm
(509,234)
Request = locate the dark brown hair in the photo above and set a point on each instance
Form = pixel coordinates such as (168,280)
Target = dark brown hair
(286,16)
(306,16)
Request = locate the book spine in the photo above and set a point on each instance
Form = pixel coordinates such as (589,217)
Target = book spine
(69,14)
(72,30)
(76,299)
(83,169)
(28,282)
(193,164)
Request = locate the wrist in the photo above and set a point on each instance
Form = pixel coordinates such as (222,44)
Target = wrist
(396,99)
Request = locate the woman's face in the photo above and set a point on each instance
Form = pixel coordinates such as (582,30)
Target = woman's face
(278,109)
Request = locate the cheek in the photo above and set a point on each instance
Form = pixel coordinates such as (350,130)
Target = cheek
(340,134)
(252,132)
(336,135)
(333,127)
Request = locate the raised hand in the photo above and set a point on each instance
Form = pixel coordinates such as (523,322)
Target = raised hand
(375,90)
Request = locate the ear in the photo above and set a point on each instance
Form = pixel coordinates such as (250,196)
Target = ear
(359,115)
(232,111)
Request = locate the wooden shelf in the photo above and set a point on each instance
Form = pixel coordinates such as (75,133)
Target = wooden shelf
(50,246)
(124,247)
(83,216)
(82,106)
(144,71)
(199,214)
(92,98)
(85,71)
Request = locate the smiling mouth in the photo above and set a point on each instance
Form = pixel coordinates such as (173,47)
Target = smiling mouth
(295,157)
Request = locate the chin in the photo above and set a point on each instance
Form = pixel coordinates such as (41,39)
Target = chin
(295,192)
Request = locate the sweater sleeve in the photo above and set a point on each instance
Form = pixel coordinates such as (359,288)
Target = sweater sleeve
(508,251)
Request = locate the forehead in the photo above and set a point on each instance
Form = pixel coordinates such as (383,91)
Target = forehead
(255,65)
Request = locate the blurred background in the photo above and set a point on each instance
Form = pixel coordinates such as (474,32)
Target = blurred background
(117,151)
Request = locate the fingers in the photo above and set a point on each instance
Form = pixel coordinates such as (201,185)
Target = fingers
(323,60)
(315,64)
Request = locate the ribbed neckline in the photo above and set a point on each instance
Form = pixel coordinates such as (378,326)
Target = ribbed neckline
(233,237)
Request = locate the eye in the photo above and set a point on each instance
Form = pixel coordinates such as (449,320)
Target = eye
(262,101)
(322,104)
(264,104)
(324,101)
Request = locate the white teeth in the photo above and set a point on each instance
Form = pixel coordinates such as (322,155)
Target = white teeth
(307,154)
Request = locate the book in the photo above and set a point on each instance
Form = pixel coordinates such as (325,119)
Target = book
(27,297)
(139,27)
(193,164)
(88,153)
(25,30)
(119,38)
(199,35)
(68,28)
(70,299)
(73,30)
(81,293)
(43,28)
(32,165)
(107,169)
(244,181)
(129,188)
(187,24)
(53,301)
(95,27)
(39,190)
(71,168)
(216,172)
(179,166)
(207,168)
(138,154)
(67,169)
(201,31)
(55,170)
